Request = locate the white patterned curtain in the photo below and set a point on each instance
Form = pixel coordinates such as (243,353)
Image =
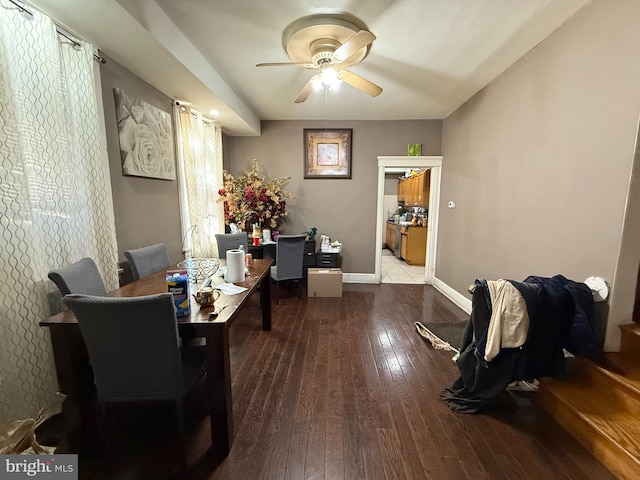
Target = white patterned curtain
(200,173)
(55,195)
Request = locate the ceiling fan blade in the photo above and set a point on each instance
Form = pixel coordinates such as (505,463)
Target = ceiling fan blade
(356,42)
(305,92)
(287,64)
(360,83)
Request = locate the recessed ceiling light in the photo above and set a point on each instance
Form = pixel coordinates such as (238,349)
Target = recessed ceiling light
(214,112)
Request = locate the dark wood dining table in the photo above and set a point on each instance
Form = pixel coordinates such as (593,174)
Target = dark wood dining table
(75,377)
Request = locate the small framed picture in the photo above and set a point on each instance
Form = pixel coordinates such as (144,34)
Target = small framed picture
(414,149)
(327,153)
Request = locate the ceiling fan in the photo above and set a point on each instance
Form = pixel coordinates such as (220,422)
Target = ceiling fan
(330,44)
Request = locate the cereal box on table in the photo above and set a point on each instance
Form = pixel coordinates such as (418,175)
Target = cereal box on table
(178,285)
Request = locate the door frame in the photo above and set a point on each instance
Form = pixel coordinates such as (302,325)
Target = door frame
(395,162)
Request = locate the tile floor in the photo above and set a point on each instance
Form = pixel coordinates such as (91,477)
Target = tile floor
(395,270)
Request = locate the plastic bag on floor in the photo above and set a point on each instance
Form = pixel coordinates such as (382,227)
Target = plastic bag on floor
(19,437)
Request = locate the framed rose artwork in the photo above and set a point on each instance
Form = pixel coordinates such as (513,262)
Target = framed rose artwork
(146,138)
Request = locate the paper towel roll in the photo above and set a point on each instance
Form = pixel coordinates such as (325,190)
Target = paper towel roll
(235,266)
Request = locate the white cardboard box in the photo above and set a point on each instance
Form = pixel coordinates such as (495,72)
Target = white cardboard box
(324,282)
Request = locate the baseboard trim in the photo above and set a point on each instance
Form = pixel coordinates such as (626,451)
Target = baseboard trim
(456,297)
(359,278)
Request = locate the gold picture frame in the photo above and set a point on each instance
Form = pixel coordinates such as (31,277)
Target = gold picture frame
(327,152)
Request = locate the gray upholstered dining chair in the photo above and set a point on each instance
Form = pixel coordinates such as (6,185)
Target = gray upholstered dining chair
(79,277)
(134,351)
(147,260)
(230,241)
(289,260)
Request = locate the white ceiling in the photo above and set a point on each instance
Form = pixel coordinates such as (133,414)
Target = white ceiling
(430,56)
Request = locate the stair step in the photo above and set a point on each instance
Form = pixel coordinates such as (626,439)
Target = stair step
(614,370)
(598,419)
(630,341)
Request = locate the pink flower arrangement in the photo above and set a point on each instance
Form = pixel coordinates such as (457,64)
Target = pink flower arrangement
(251,199)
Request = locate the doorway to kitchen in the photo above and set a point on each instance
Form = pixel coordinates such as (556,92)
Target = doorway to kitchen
(388,268)
(396,270)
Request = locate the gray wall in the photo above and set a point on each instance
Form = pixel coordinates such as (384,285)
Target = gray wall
(343,209)
(539,162)
(146,209)
(391,183)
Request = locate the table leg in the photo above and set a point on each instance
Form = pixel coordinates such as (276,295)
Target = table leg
(265,302)
(219,388)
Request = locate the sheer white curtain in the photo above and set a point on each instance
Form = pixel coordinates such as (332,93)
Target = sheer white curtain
(55,195)
(200,174)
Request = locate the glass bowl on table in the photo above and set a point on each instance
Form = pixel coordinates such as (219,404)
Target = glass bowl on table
(199,269)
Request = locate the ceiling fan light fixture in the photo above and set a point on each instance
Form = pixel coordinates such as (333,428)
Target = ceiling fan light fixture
(316,81)
(330,78)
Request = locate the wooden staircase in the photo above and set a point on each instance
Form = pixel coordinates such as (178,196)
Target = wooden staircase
(599,405)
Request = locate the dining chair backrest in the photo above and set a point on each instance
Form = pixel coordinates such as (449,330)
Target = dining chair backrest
(147,260)
(133,347)
(289,257)
(79,277)
(230,241)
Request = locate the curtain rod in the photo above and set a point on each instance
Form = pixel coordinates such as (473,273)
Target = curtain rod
(59,29)
(76,43)
(184,106)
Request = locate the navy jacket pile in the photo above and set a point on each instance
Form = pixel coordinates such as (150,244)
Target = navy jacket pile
(561,315)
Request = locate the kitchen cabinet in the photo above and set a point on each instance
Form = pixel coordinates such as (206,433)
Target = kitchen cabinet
(402,191)
(393,238)
(390,235)
(413,247)
(414,190)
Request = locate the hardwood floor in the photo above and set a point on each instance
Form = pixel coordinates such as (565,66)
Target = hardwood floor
(346,389)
